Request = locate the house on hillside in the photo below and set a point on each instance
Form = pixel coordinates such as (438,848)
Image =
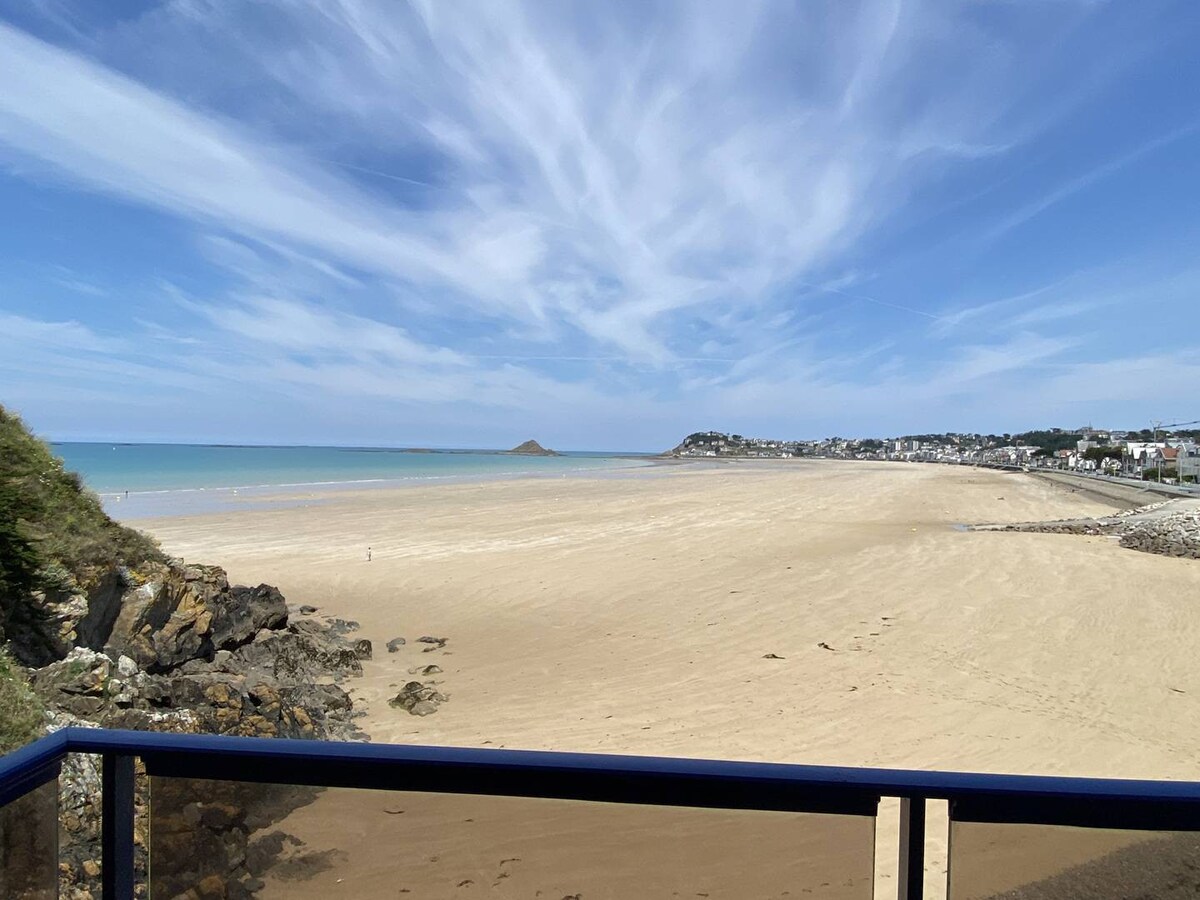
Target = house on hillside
(1141,455)
(1187,463)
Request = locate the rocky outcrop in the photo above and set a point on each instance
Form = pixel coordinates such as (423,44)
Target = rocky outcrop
(419,699)
(171,615)
(304,651)
(1172,535)
(532,448)
(218,698)
(173,647)
(161,615)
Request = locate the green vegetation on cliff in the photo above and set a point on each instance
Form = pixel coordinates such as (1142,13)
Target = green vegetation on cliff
(52,528)
(21,716)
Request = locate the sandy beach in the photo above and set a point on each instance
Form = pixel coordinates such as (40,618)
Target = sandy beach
(633,614)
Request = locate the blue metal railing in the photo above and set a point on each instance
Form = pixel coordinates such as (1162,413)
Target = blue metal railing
(1027,799)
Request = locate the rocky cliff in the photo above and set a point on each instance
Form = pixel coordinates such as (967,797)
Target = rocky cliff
(145,645)
(116,634)
(173,647)
(55,540)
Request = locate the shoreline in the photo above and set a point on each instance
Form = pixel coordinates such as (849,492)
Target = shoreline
(532,557)
(826,613)
(140,505)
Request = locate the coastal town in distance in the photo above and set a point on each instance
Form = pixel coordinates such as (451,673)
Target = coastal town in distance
(1169,453)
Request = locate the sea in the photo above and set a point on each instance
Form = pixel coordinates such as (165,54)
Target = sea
(147,480)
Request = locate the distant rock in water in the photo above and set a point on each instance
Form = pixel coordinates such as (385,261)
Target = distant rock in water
(532,448)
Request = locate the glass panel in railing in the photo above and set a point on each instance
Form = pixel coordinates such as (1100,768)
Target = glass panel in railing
(29,845)
(272,841)
(1055,862)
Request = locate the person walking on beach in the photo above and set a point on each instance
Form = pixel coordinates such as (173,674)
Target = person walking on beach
(368,554)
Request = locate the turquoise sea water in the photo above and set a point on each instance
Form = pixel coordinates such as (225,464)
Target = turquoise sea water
(166,479)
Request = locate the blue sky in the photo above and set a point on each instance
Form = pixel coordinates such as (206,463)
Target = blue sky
(604,225)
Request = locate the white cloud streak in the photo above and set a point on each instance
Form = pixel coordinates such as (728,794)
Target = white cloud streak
(607,189)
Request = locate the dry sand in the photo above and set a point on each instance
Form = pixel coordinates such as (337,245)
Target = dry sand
(632,614)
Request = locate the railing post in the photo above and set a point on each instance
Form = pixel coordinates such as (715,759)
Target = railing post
(912,849)
(117,827)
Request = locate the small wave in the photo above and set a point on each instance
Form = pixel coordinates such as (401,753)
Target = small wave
(398,479)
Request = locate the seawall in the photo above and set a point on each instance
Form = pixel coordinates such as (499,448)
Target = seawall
(1127,495)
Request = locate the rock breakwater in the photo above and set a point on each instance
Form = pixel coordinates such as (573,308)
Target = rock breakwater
(1167,528)
(1173,535)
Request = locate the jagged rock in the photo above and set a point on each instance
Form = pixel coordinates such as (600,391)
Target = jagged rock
(173,647)
(395,644)
(82,672)
(415,693)
(170,614)
(162,615)
(342,627)
(304,651)
(247,612)
(1176,535)
(87,684)
(161,645)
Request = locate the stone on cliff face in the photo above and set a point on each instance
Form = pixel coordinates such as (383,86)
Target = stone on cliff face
(80,683)
(362,649)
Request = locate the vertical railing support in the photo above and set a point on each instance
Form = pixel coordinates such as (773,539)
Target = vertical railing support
(912,849)
(117,824)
